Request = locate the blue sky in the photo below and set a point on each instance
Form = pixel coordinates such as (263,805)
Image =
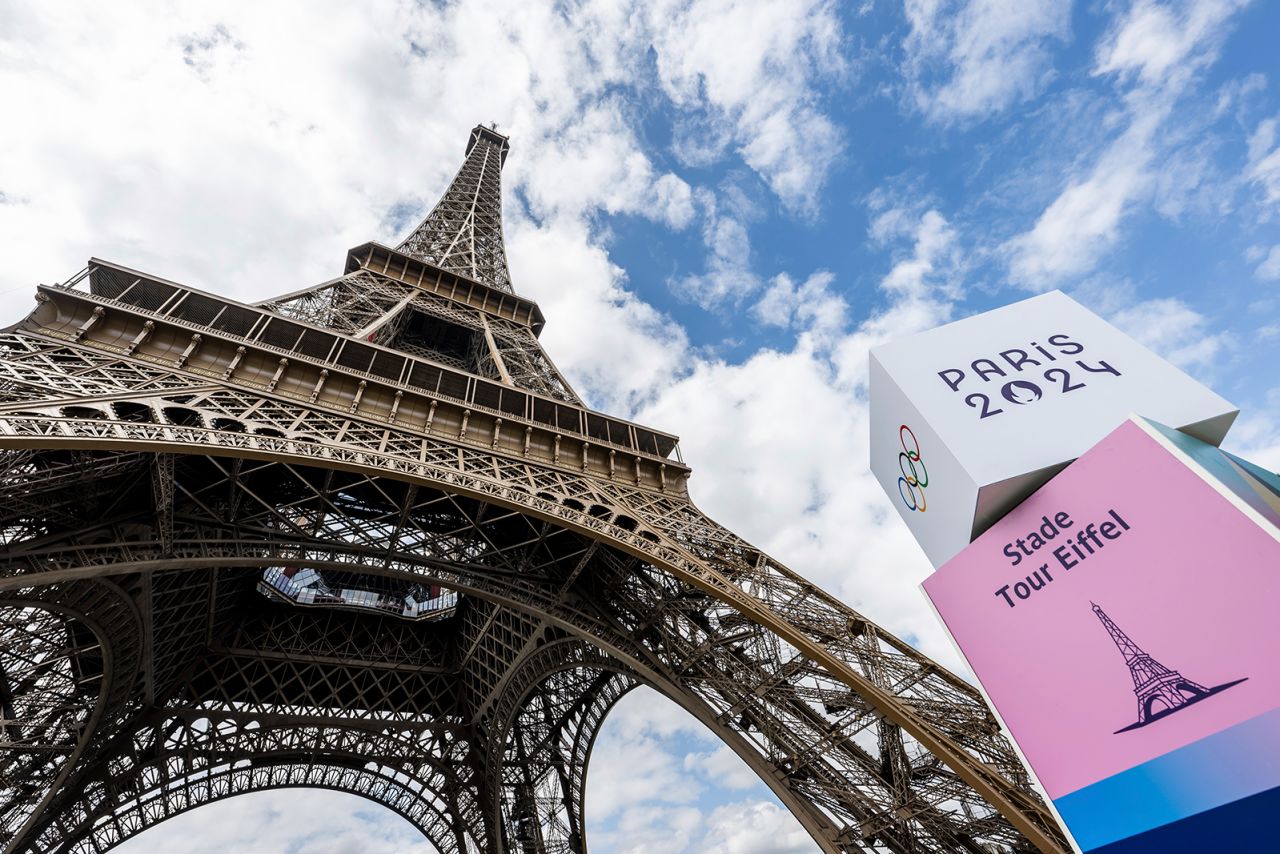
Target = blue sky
(1164,163)
(720,205)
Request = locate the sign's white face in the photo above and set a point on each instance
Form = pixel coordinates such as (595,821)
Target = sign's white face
(1015,391)
(931,490)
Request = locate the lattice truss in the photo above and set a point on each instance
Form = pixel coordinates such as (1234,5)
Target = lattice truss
(463,232)
(380,309)
(655,591)
(156,515)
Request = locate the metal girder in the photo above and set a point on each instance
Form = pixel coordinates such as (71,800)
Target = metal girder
(829,751)
(244,547)
(463,232)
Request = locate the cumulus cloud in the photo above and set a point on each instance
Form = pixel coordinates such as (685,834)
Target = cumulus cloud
(812,306)
(923,284)
(969,58)
(761,96)
(636,772)
(723,767)
(1256,435)
(934,245)
(596,163)
(729,276)
(591,312)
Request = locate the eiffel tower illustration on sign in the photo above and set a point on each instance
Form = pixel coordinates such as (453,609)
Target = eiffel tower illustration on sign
(1160,691)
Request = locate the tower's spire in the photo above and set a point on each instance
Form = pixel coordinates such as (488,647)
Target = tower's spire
(463,232)
(1130,650)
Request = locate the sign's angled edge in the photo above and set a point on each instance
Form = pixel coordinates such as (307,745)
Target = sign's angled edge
(1040,789)
(1215,483)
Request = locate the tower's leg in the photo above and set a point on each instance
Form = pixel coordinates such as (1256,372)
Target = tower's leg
(542,764)
(69,655)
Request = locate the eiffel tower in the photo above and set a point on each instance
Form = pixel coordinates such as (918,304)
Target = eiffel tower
(365,536)
(1160,691)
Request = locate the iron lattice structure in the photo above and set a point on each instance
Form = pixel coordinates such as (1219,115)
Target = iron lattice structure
(366,537)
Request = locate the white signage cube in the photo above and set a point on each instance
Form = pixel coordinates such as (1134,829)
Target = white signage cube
(970,418)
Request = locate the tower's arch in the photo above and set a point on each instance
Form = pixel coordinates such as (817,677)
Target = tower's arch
(289,817)
(541,588)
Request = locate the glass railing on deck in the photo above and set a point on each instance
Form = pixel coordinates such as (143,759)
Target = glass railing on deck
(310,587)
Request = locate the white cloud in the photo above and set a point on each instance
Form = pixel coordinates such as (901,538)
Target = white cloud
(674,199)
(970,58)
(648,792)
(1269,269)
(754,827)
(1156,41)
(1083,222)
(652,830)
(1256,435)
(595,163)
(593,314)
(722,767)
(759,95)
(1153,53)
(729,277)
(923,284)
(635,771)
(934,247)
(1264,161)
(811,306)
(1172,329)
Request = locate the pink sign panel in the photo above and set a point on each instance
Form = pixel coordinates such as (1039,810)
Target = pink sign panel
(1124,610)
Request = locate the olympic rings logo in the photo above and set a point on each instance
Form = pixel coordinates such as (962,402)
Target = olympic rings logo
(916,478)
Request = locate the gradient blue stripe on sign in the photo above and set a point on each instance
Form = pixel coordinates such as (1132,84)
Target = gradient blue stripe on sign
(1216,770)
(1246,825)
